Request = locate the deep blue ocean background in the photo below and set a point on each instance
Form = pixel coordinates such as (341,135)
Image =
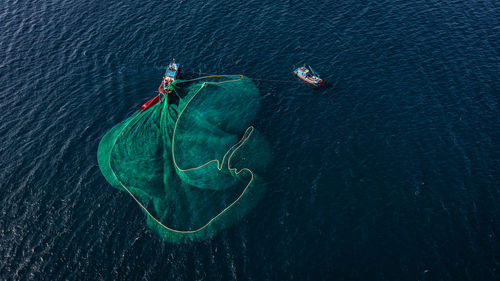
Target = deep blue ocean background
(390,173)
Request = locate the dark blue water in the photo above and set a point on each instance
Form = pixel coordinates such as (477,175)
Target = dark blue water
(391,173)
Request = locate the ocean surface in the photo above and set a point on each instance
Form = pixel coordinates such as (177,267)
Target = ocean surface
(392,172)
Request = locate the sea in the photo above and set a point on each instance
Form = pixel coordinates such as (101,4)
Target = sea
(390,172)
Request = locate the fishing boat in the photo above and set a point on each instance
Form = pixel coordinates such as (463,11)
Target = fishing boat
(173,71)
(308,75)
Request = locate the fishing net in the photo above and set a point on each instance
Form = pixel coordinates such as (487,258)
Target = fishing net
(192,161)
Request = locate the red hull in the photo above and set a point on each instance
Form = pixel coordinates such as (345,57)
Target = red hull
(150,103)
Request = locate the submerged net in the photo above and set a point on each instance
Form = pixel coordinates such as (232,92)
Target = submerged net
(192,161)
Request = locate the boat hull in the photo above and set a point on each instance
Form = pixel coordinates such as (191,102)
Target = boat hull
(308,80)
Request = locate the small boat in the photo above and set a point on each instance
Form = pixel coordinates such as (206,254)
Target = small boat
(173,71)
(308,75)
(150,103)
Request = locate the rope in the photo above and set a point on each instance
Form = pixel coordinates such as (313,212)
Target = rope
(274,80)
(257,79)
(219,164)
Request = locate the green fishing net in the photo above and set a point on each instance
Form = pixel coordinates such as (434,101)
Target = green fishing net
(192,161)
